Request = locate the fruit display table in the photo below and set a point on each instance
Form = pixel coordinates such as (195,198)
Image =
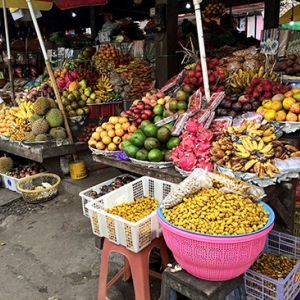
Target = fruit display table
(49,156)
(281,197)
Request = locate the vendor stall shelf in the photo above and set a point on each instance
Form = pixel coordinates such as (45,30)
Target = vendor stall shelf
(281,197)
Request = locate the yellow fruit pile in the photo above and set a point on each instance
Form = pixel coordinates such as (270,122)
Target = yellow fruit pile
(109,135)
(282,107)
(7,119)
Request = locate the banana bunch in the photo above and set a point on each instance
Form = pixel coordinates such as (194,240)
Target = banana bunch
(104,87)
(242,78)
(251,147)
(26,110)
(18,129)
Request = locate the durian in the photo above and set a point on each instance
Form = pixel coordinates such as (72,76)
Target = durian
(58,132)
(41,105)
(34,117)
(40,126)
(42,137)
(6,164)
(52,103)
(29,136)
(55,117)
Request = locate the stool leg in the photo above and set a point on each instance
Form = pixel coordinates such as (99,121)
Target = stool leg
(103,273)
(139,276)
(163,252)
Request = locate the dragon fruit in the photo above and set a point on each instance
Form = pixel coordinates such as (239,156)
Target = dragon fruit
(188,162)
(193,126)
(61,83)
(74,75)
(68,77)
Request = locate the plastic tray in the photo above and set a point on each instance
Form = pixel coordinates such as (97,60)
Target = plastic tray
(85,198)
(259,286)
(10,183)
(134,236)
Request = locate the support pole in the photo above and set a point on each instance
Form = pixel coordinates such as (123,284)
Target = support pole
(11,79)
(202,48)
(50,71)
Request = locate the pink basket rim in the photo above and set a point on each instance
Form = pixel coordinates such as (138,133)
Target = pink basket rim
(217,239)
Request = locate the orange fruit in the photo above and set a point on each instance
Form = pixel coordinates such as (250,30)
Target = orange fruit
(99,129)
(104,124)
(125,125)
(112,147)
(106,140)
(119,132)
(123,120)
(110,126)
(117,140)
(131,129)
(96,135)
(114,120)
(103,134)
(111,133)
(92,143)
(100,145)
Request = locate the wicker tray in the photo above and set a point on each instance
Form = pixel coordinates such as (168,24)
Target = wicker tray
(162,164)
(31,195)
(103,152)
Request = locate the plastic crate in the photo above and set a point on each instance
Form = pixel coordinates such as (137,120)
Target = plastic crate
(85,194)
(297,219)
(10,183)
(259,286)
(104,109)
(134,236)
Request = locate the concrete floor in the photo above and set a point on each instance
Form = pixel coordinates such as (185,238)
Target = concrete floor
(51,254)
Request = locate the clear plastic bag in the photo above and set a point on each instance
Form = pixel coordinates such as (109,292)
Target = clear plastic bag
(193,183)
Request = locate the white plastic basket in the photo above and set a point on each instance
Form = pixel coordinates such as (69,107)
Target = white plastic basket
(10,182)
(134,236)
(259,286)
(85,198)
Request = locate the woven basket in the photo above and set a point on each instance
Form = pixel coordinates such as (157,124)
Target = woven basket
(26,187)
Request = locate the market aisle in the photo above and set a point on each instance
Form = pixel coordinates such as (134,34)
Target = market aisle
(50,253)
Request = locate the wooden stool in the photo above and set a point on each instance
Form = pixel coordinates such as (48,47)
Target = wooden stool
(135,265)
(195,288)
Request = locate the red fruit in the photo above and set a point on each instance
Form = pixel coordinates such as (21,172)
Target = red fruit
(249,90)
(215,61)
(265,82)
(191,73)
(192,86)
(213,88)
(255,81)
(268,95)
(287,88)
(200,80)
(221,88)
(267,87)
(256,94)
(211,78)
(193,80)
(261,98)
(186,80)
(198,67)
(222,77)
(202,89)
(207,59)
(260,88)
(211,66)
(198,74)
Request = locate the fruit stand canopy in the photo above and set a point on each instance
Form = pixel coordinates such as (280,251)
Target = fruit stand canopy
(286,11)
(47,4)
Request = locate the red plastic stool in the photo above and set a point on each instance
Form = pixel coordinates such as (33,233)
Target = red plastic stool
(135,265)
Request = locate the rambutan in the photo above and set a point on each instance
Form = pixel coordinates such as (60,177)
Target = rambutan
(267,87)
(193,80)
(255,82)
(191,73)
(249,90)
(268,95)
(211,78)
(198,74)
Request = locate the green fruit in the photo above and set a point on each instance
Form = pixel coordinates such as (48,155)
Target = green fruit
(125,143)
(138,138)
(155,155)
(158,109)
(152,143)
(131,150)
(157,119)
(182,105)
(151,130)
(163,134)
(54,117)
(173,142)
(144,123)
(169,126)
(296,96)
(173,104)
(142,154)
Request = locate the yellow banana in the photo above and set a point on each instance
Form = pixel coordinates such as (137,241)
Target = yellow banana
(250,163)
(269,138)
(247,144)
(261,71)
(255,133)
(242,154)
(239,147)
(269,131)
(256,168)
(268,170)
(266,148)
(260,144)
(254,145)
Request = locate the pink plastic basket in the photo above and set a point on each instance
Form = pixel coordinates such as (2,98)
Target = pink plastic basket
(214,258)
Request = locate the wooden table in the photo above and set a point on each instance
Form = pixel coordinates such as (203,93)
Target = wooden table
(281,197)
